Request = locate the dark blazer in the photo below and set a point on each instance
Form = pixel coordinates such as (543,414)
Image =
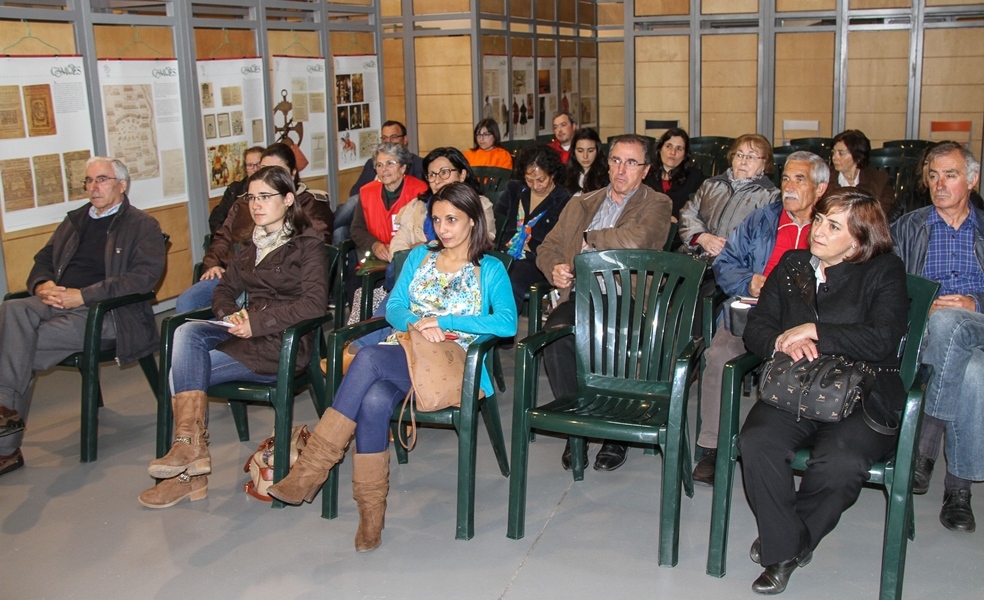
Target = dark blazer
(872,181)
(679,193)
(517,192)
(289,285)
(860,312)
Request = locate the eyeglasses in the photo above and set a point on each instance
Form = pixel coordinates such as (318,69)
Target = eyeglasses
(748,157)
(442,174)
(88,181)
(385,165)
(260,197)
(630,163)
(255,165)
(391,139)
(484,134)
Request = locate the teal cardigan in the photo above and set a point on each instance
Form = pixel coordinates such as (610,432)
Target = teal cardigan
(498,316)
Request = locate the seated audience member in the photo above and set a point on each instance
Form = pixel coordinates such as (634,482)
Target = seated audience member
(453,286)
(564,127)
(858,312)
(916,195)
(531,208)
(251,162)
(238,227)
(945,242)
(488,150)
(587,167)
(392,132)
(281,269)
(102,250)
(625,214)
(673,171)
(850,156)
(752,251)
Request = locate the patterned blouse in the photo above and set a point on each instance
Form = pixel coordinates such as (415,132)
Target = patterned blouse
(433,294)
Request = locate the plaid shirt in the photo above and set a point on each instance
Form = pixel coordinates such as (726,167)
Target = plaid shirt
(950,259)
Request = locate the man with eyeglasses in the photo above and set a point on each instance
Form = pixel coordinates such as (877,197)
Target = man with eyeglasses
(393,132)
(625,214)
(251,162)
(564,127)
(102,250)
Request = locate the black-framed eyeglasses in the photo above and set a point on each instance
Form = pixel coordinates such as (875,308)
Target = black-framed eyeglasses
(442,174)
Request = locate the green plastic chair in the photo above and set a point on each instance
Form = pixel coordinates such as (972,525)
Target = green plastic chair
(635,357)
(280,394)
(915,145)
(463,419)
(902,171)
(196,272)
(493,181)
(814,142)
(894,474)
(88,360)
(780,154)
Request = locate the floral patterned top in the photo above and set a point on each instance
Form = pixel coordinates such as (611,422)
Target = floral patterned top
(433,294)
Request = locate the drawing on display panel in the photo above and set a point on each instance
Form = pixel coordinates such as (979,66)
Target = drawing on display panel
(11,117)
(131,129)
(75,173)
(226,161)
(367,143)
(48,187)
(343,89)
(40,110)
(208,98)
(358,93)
(211,131)
(347,150)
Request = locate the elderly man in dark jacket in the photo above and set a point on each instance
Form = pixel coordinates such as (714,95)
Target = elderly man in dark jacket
(102,250)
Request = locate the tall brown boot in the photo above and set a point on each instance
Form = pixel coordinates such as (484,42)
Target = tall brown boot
(370,486)
(189,452)
(171,491)
(324,449)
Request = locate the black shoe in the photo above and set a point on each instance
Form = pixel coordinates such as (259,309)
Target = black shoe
(11,462)
(774,578)
(924,472)
(565,458)
(704,471)
(956,514)
(755,553)
(611,456)
(10,421)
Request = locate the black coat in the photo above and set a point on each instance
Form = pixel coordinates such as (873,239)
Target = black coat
(678,193)
(861,312)
(508,204)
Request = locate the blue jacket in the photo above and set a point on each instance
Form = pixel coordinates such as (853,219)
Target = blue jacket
(498,305)
(911,237)
(747,250)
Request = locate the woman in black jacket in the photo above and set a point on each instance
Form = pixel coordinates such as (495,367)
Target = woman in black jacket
(673,171)
(845,296)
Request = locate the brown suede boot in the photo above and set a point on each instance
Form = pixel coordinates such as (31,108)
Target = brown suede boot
(189,453)
(370,486)
(171,491)
(324,449)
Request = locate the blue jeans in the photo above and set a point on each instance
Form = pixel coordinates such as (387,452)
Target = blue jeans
(196,364)
(199,295)
(343,220)
(954,346)
(380,334)
(375,384)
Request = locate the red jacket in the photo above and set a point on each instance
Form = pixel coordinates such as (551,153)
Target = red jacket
(564,154)
(379,219)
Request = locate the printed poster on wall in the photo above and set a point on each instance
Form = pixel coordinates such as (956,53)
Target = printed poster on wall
(45,139)
(569,90)
(523,98)
(546,83)
(144,127)
(589,92)
(299,109)
(357,109)
(495,86)
(233,116)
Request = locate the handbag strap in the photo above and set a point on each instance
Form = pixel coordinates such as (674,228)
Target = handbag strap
(407,443)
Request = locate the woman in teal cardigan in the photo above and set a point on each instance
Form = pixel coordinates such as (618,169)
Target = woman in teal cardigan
(450,290)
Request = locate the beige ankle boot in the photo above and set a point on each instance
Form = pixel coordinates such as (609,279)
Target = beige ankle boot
(324,449)
(171,491)
(189,453)
(370,486)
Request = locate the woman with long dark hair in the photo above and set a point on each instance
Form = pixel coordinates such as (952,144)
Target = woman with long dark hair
(587,166)
(673,171)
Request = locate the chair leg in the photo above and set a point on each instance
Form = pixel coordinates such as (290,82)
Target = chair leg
(577,456)
(90,413)
(724,476)
(241,419)
(894,546)
(402,456)
(497,374)
(669,508)
(490,414)
(467,443)
(283,421)
(516,528)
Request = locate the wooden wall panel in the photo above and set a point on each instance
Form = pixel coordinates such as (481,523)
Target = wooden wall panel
(224,43)
(868,4)
(294,43)
(657,8)
(804,80)
(15,41)
(522,46)
(728,7)
(495,7)
(611,89)
(611,13)
(877,84)
(662,76)
(567,10)
(953,82)
(586,13)
(729,80)
(432,7)
(390,8)
(804,5)
(444,92)
(124,41)
(522,9)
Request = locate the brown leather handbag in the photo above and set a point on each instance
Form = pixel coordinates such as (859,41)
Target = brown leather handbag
(436,370)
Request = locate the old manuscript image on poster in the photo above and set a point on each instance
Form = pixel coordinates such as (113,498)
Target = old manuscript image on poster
(18,189)
(40,111)
(173,171)
(232,95)
(48,187)
(357,107)
(75,173)
(130,127)
(11,117)
(224,129)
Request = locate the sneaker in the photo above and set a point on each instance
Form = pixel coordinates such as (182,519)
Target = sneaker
(704,471)
(11,462)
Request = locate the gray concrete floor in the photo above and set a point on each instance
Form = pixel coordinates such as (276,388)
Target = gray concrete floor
(72,530)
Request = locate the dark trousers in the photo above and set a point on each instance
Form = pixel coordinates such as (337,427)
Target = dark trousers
(559,358)
(522,275)
(790,520)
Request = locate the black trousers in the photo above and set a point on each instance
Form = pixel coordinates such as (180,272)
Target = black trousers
(559,358)
(790,520)
(522,275)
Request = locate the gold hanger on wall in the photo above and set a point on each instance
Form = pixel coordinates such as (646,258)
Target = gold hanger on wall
(296,42)
(358,45)
(30,36)
(137,42)
(227,42)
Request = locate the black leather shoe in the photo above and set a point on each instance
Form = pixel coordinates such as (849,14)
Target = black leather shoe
(924,472)
(774,578)
(956,514)
(565,458)
(10,421)
(704,471)
(611,456)
(755,553)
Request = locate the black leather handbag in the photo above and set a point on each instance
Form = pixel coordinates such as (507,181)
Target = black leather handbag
(827,389)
